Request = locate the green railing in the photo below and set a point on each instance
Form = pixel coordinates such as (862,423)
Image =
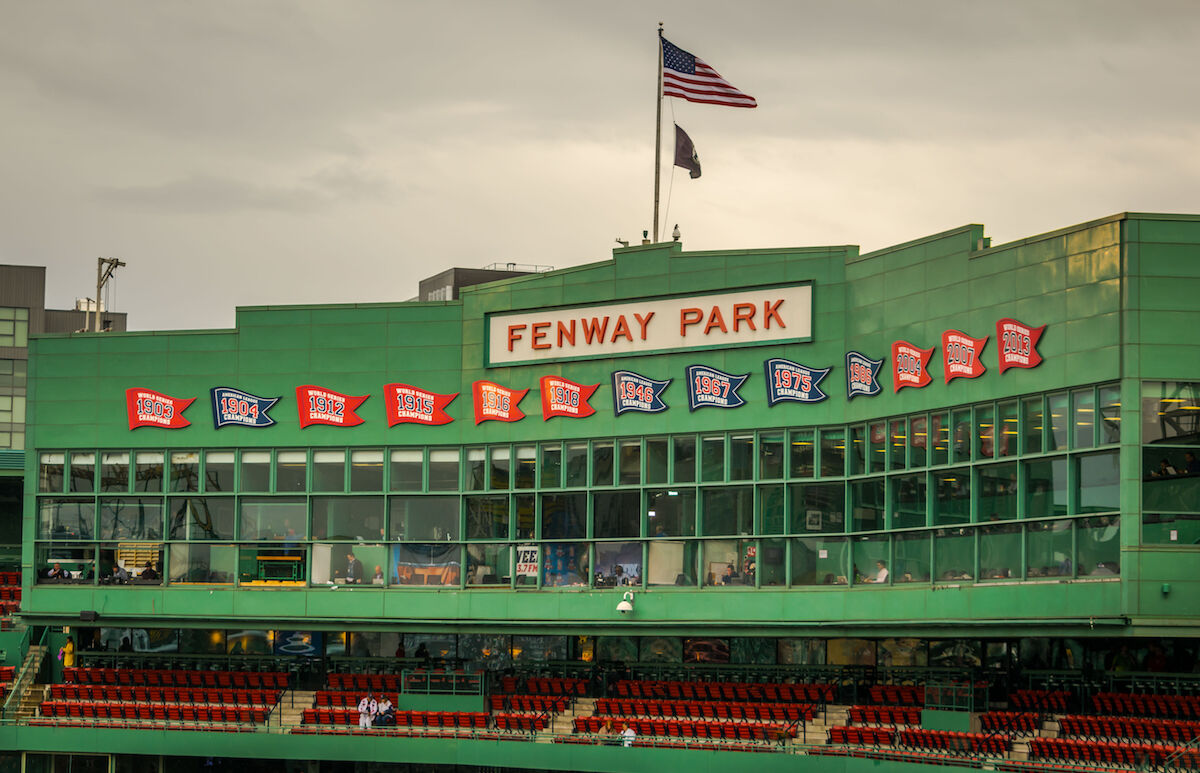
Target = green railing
(26,674)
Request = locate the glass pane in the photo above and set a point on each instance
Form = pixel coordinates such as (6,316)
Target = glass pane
(202,563)
(1099,483)
(1083,409)
(802,454)
(525,475)
(366,470)
(867,505)
(357,564)
(1110,414)
(565,564)
(256,471)
(1098,541)
(577,464)
(432,518)
(552,466)
(1033,425)
(328,471)
(820,560)
(59,563)
(202,518)
(291,471)
(487,517)
(908,501)
(998,492)
(939,428)
(489,564)
(1171,412)
(618,564)
(985,432)
(263,518)
(602,463)
(858,450)
(918,440)
(953,496)
(728,510)
(772,517)
(148,473)
(137,518)
(671,562)
(345,518)
(818,507)
(425,564)
(50,473)
(833,453)
(1048,549)
(899,436)
(963,435)
(770,456)
(218,471)
(1046,488)
(476,469)
(1000,552)
(671,512)
(501,467)
(526,505)
(1171,529)
(954,554)
(1172,481)
(564,516)
(83,472)
(114,472)
(724,562)
(684,462)
(877,446)
(741,457)
(656,460)
(269,564)
(63,519)
(912,557)
(712,459)
(443,469)
(630,465)
(871,560)
(617,514)
(1060,422)
(1007,429)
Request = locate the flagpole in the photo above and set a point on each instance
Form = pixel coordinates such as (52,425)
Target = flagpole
(658,129)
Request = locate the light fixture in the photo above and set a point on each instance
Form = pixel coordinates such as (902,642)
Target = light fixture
(626,604)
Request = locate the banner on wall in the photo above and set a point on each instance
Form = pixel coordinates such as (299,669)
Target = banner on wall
(791,381)
(634,392)
(528,564)
(147,408)
(862,375)
(712,388)
(910,366)
(318,405)
(496,403)
(408,404)
(563,397)
(242,409)
(961,355)
(1018,344)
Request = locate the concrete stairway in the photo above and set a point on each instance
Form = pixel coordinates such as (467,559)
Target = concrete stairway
(292,703)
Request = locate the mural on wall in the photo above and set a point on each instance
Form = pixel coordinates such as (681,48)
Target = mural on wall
(242,409)
(563,397)
(147,408)
(910,366)
(862,375)
(635,392)
(712,388)
(1018,344)
(961,355)
(318,405)
(791,381)
(408,404)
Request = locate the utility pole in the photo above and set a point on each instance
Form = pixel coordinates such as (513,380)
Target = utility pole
(104,271)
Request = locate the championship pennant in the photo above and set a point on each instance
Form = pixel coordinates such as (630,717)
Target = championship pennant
(862,375)
(787,380)
(712,388)
(496,403)
(233,406)
(318,405)
(960,355)
(910,366)
(634,392)
(562,397)
(1018,344)
(407,404)
(147,408)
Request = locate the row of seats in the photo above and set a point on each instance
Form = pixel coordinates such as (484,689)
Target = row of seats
(947,740)
(169,712)
(541,685)
(683,728)
(342,699)
(778,712)
(338,716)
(127,693)
(1040,700)
(898,694)
(10,594)
(161,677)
(363,682)
(528,723)
(1143,705)
(870,736)
(117,724)
(885,715)
(1111,753)
(726,691)
(1171,730)
(1013,722)
(10,578)
(528,703)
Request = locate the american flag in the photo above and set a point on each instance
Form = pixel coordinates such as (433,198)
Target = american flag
(687,76)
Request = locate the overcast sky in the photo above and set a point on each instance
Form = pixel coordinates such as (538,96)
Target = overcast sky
(244,153)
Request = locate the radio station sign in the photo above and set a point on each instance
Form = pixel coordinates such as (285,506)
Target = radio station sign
(740,318)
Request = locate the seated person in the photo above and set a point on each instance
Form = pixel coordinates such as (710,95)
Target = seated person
(377,578)
(149,573)
(119,575)
(56,572)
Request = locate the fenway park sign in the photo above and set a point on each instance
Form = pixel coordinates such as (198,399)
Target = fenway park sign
(748,317)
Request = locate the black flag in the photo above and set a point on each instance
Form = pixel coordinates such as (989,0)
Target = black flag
(685,153)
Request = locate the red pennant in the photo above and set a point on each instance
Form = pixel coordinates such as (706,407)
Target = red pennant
(318,405)
(910,365)
(412,405)
(147,408)
(1018,344)
(561,397)
(961,355)
(496,403)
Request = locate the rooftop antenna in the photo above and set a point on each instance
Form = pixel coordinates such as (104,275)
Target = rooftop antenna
(104,271)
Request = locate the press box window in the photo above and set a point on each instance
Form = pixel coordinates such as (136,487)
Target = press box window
(366,470)
(291,471)
(218,471)
(406,469)
(185,471)
(255,471)
(329,471)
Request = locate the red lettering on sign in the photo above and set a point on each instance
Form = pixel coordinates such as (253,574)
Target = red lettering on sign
(566,333)
(514,335)
(744,312)
(771,310)
(595,330)
(715,320)
(622,329)
(643,322)
(691,316)
(538,335)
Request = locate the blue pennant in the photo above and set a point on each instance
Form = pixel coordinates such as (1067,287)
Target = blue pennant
(634,392)
(712,388)
(787,380)
(861,375)
(242,409)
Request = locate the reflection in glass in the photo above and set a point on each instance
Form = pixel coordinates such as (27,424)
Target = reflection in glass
(1046,487)
(83,472)
(671,512)
(148,471)
(908,500)
(429,518)
(953,496)
(820,560)
(684,459)
(272,518)
(114,472)
(912,557)
(487,516)
(344,518)
(203,563)
(998,492)
(564,516)
(1048,549)
(185,471)
(291,470)
(63,519)
(218,471)
(741,457)
(833,453)
(1110,414)
(443,469)
(1098,543)
(802,454)
(202,518)
(131,518)
(255,471)
(366,470)
(1099,483)
(727,510)
(616,514)
(50,473)
(954,555)
(818,507)
(1000,552)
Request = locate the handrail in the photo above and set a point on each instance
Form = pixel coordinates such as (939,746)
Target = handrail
(24,678)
